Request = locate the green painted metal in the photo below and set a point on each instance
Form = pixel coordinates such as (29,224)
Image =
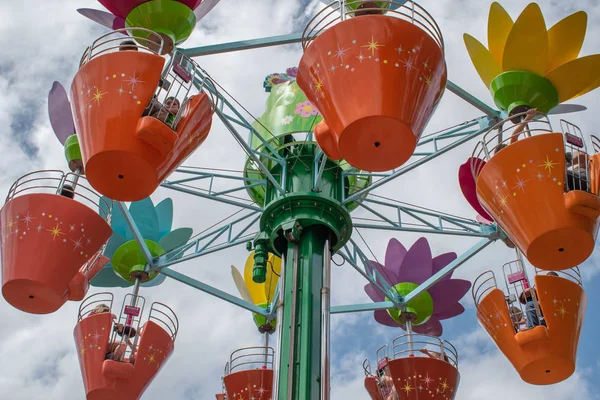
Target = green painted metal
(171,18)
(300,206)
(299,372)
(288,112)
(421,306)
(523,88)
(261,320)
(72,149)
(129,258)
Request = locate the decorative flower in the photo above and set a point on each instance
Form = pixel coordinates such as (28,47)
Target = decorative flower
(404,271)
(276,79)
(154,223)
(287,120)
(293,72)
(306,109)
(260,294)
(537,65)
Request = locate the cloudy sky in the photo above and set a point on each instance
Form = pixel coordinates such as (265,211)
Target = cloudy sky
(43,41)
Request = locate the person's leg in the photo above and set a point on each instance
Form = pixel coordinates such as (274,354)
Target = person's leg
(532,317)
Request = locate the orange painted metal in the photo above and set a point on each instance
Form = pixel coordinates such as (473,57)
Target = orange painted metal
(46,239)
(80,284)
(522,187)
(373,388)
(418,378)
(126,155)
(246,384)
(376,80)
(115,380)
(595,174)
(220,396)
(542,355)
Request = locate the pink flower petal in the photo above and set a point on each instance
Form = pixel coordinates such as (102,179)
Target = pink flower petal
(441,261)
(394,255)
(449,312)
(432,327)
(385,274)
(374,293)
(384,318)
(417,264)
(446,294)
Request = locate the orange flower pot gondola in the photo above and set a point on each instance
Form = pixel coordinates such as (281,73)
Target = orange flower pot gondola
(50,242)
(376,80)
(523,186)
(542,355)
(107,378)
(423,367)
(250,373)
(126,154)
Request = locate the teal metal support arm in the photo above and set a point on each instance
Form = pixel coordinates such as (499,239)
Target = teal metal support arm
(382,305)
(482,244)
(212,291)
(136,233)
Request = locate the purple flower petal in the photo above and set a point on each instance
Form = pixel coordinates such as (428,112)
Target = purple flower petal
(385,274)
(417,264)
(446,294)
(432,327)
(441,261)
(394,255)
(374,293)
(384,318)
(449,312)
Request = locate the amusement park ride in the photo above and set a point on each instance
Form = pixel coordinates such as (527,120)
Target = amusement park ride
(139,106)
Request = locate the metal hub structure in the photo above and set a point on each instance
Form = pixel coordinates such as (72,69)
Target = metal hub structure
(305,219)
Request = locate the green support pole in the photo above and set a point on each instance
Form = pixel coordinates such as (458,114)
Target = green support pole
(300,367)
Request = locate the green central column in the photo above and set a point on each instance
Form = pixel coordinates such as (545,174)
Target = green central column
(300,369)
(296,224)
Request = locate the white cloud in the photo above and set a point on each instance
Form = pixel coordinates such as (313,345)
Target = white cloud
(43,41)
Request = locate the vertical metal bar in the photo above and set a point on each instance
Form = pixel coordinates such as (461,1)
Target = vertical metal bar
(291,358)
(266,349)
(410,333)
(279,305)
(325,318)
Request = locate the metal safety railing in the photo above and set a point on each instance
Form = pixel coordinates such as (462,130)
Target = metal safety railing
(571,274)
(142,39)
(497,138)
(65,184)
(421,345)
(577,165)
(595,143)
(125,335)
(338,11)
(165,317)
(255,357)
(95,304)
(483,284)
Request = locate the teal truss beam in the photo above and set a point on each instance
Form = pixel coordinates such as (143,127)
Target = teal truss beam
(212,291)
(214,186)
(479,246)
(224,236)
(389,214)
(297,38)
(442,142)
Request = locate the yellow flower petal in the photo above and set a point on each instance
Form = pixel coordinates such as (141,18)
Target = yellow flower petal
(257,291)
(565,39)
(527,44)
(485,64)
(576,77)
(499,26)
